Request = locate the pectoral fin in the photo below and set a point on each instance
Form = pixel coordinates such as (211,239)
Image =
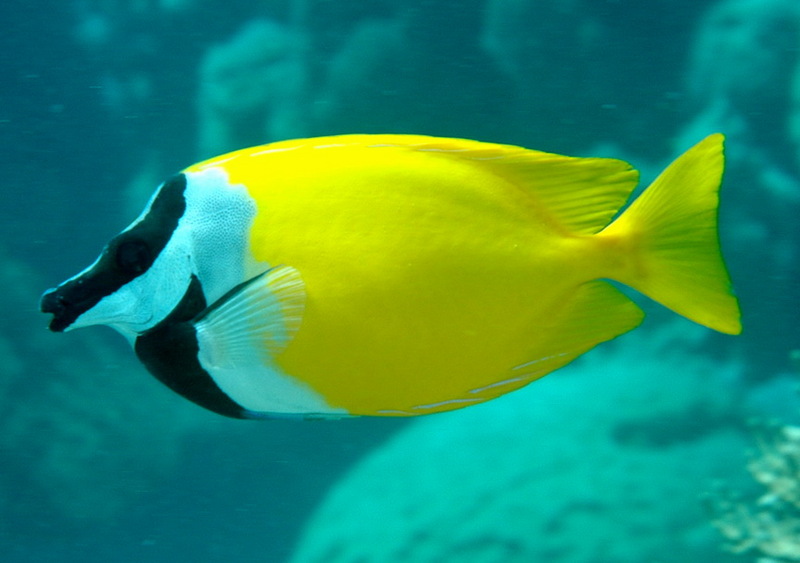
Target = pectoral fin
(256,318)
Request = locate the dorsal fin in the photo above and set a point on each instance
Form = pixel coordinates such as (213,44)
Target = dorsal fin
(583,194)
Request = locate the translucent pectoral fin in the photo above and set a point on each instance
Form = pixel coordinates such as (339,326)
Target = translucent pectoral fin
(256,318)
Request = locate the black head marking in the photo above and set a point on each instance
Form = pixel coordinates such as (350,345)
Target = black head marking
(126,257)
(133,256)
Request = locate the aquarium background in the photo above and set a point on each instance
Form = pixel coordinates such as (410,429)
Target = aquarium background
(628,455)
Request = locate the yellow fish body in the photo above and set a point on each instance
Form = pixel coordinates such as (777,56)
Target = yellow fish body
(398,274)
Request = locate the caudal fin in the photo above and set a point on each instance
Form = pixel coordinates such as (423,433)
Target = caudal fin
(671,231)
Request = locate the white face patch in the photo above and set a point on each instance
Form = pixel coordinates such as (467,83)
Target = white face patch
(217,225)
(137,306)
(210,241)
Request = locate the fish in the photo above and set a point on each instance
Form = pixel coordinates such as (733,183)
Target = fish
(397,275)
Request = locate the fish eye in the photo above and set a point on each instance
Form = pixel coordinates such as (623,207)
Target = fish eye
(133,256)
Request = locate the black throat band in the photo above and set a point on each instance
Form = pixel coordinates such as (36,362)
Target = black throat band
(169,351)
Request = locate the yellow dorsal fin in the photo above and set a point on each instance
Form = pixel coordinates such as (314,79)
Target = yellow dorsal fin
(582,194)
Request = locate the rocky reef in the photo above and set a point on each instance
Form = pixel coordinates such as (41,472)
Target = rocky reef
(770,525)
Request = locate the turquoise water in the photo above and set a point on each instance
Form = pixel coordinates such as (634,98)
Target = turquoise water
(607,460)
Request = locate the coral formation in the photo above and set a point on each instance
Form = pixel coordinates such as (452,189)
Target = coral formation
(548,473)
(398,73)
(252,89)
(770,526)
(739,80)
(529,40)
(739,76)
(743,53)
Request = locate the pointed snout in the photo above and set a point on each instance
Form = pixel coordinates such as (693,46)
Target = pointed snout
(54,302)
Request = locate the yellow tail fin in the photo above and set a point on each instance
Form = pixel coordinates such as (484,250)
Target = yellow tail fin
(671,232)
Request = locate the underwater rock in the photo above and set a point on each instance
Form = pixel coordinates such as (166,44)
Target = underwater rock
(402,74)
(539,475)
(252,89)
(389,71)
(741,66)
(739,80)
(356,77)
(530,40)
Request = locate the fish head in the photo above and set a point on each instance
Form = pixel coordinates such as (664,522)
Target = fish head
(140,276)
(191,241)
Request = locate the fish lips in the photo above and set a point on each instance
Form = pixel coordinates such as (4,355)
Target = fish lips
(63,306)
(53,301)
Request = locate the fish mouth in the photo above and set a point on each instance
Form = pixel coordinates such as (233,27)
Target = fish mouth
(64,313)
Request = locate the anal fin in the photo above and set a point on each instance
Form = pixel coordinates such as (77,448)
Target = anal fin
(596,313)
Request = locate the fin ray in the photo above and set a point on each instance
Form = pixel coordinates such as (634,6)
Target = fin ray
(672,232)
(583,194)
(598,312)
(263,313)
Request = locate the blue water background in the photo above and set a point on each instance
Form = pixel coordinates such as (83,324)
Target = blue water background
(100,100)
